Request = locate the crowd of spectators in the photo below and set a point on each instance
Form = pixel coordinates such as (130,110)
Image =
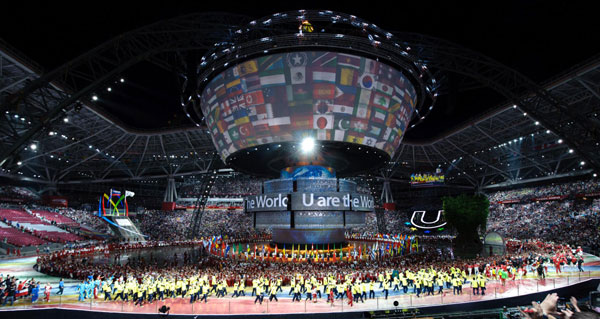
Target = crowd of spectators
(16,192)
(225,186)
(87,219)
(557,221)
(161,225)
(562,189)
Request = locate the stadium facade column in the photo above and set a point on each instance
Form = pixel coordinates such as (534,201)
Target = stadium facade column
(170,194)
(386,192)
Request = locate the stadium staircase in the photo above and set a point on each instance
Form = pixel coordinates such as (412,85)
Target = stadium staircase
(206,184)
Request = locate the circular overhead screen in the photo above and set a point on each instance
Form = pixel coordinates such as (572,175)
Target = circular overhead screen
(287,97)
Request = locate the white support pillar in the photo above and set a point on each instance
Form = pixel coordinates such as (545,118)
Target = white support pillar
(171,190)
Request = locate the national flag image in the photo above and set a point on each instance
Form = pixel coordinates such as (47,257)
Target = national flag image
(369,141)
(276,95)
(349,61)
(220,90)
(324,135)
(339,135)
(226,137)
(234,133)
(384,88)
(323,91)
(270,62)
(359,125)
(371,66)
(324,59)
(234,86)
(374,130)
(381,100)
(322,121)
(272,79)
(302,121)
(345,95)
(378,115)
(342,122)
(297,59)
(254,98)
(354,137)
(265,140)
(298,75)
(327,76)
(250,83)
(260,127)
(298,92)
(245,68)
(347,76)
(241,120)
(322,106)
(343,109)
(223,126)
(367,81)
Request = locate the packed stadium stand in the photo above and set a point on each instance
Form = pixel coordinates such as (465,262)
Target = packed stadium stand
(172,169)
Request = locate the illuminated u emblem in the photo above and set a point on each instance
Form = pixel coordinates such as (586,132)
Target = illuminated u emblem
(418,220)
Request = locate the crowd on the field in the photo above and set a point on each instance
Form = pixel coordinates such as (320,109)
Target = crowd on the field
(562,189)
(427,273)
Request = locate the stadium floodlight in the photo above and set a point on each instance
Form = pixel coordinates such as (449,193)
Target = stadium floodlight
(307,145)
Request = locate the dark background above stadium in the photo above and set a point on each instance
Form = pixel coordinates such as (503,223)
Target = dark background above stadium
(537,38)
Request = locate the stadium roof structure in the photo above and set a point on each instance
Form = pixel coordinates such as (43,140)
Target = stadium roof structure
(52,132)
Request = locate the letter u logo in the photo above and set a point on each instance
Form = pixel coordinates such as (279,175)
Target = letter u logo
(418,220)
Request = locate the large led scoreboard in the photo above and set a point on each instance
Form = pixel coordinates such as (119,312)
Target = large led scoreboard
(313,210)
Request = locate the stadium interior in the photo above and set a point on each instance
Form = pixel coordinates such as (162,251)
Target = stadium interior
(210,163)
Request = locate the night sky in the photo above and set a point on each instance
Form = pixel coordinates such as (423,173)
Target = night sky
(540,39)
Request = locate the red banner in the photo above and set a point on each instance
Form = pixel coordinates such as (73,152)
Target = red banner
(547,198)
(168,206)
(595,194)
(510,201)
(56,201)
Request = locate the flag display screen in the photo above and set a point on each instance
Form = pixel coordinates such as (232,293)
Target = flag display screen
(427,179)
(325,95)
